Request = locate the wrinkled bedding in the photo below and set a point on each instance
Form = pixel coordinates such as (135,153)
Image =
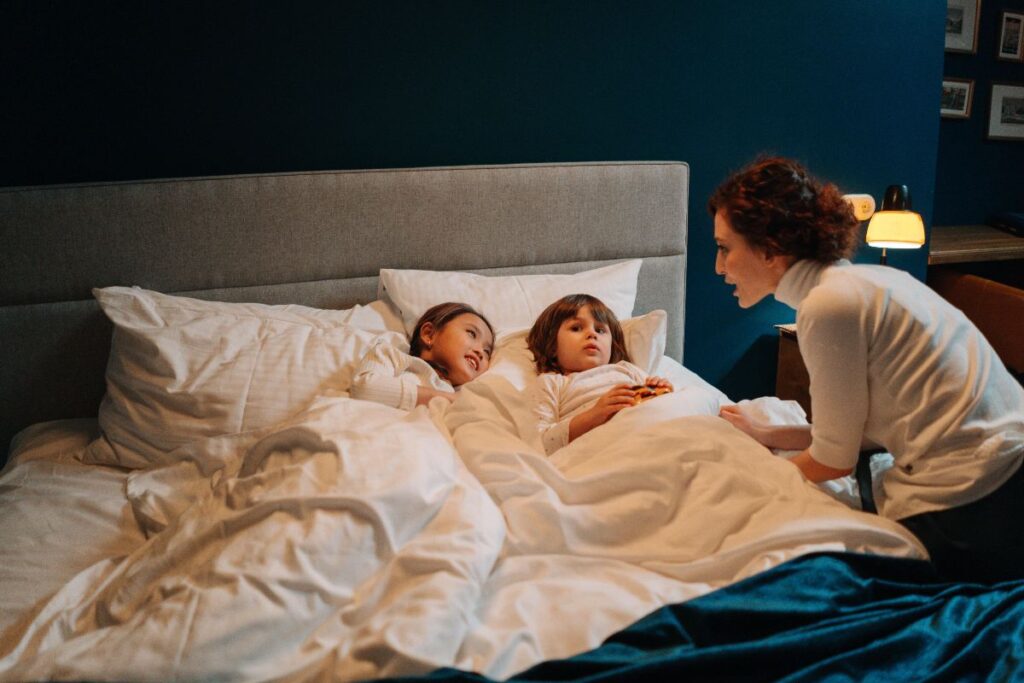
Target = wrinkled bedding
(58,515)
(355,541)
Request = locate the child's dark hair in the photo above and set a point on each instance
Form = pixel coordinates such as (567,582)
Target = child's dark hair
(543,336)
(439,316)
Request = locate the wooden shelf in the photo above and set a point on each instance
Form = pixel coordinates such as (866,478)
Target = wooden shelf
(973,243)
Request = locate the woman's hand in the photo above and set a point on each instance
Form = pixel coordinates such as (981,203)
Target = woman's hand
(618,397)
(743,422)
(786,437)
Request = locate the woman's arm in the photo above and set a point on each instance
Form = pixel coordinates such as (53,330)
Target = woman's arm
(835,340)
(785,437)
(814,470)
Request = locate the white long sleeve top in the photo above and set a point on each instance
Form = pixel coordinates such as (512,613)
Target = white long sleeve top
(392,377)
(892,361)
(560,398)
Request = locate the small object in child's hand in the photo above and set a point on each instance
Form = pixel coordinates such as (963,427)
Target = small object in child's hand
(642,392)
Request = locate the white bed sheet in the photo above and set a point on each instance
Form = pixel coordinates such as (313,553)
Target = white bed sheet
(59,516)
(664,503)
(356,541)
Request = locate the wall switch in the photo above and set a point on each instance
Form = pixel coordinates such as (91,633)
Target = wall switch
(863,205)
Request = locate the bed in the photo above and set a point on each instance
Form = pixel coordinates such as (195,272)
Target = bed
(190,493)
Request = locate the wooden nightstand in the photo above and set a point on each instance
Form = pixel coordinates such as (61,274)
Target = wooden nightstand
(791,379)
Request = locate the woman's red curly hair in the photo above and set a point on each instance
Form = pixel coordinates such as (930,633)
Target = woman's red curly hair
(778,207)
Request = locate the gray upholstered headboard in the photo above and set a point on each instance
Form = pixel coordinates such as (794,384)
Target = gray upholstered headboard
(317,239)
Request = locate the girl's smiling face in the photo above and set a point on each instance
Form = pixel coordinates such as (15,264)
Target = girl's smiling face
(462,347)
(583,342)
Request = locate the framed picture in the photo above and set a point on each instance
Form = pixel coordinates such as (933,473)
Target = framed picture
(962,25)
(957,94)
(1006,112)
(1011,46)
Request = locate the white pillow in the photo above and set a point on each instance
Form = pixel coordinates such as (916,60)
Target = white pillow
(181,369)
(645,341)
(685,378)
(508,302)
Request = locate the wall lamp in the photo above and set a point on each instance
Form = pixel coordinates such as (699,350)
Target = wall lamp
(895,226)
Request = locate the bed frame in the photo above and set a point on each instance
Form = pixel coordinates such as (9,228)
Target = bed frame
(316,239)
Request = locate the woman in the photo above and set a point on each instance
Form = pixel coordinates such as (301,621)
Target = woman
(891,364)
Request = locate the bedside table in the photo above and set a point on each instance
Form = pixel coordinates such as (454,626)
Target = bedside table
(791,379)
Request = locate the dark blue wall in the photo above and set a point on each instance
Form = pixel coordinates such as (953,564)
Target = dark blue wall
(143,89)
(976,176)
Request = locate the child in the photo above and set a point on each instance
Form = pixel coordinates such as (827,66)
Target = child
(586,374)
(451,345)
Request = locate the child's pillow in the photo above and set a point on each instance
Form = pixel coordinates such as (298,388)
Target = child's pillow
(645,339)
(181,369)
(508,302)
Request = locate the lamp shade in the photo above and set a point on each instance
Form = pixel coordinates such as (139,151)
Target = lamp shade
(896,230)
(895,226)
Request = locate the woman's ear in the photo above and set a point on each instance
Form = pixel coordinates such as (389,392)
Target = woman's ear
(778,262)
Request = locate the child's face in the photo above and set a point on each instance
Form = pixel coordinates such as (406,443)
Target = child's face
(462,347)
(583,342)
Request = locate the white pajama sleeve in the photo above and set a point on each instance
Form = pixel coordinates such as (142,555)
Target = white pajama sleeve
(554,433)
(381,378)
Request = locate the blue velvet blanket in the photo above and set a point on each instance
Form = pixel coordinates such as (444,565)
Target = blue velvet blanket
(830,616)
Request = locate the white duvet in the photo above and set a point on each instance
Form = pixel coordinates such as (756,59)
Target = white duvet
(356,541)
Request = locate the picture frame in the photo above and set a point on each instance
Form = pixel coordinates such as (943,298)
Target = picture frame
(957,94)
(962,25)
(1006,112)
(1011,37)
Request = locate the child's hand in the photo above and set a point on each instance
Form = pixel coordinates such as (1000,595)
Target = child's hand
(659,382)
(617,398)
(424,394)
(652,387)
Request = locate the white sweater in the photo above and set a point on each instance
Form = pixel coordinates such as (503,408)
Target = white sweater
(562,397)
(389,376)
(893,363)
